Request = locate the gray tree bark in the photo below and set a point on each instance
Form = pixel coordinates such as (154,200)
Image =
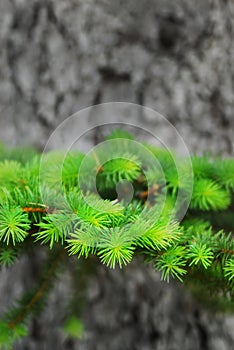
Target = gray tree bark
(59,56)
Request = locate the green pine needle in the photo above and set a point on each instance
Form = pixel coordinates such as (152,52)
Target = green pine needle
(160,235)
(171,263)
(202,167)
(229,269)
(115,247)
(200,253)
(10,172)
(224,172)
(208,195)
(7,256)
(14,225)
(54,228)
(127,168)
(9,336)
(83,241)
(74,328)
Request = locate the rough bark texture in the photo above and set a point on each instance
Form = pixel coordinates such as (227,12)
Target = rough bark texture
(58,56)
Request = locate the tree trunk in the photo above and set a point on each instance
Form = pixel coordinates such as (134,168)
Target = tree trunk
(59,56)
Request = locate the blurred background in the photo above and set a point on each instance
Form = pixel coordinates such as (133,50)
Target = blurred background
(59,56)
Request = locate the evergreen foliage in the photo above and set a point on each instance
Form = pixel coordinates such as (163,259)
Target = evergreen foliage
(70,205)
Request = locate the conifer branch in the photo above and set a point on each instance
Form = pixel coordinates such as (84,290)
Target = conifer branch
(38,295)
(71,200)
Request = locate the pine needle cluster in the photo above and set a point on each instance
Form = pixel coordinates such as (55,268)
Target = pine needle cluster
(118,201)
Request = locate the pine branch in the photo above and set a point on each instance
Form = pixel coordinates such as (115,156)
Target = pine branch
(34,300)
(72,199)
